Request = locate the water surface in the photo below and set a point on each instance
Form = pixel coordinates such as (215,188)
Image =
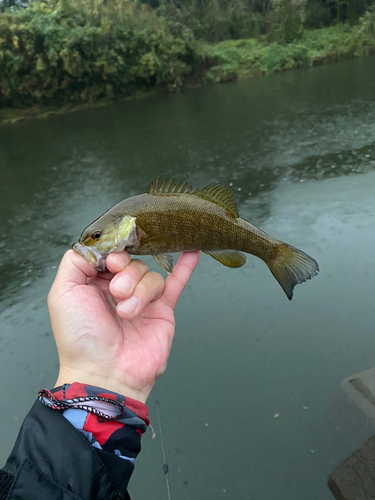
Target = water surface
(246,400)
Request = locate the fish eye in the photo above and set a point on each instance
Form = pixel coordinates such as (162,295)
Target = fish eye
(96,235)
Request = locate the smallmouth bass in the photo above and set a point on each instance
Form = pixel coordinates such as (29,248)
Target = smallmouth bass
(174,217)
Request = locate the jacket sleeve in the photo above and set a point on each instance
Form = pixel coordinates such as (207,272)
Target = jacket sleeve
(52,459)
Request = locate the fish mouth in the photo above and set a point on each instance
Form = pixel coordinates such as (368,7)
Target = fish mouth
(91,255)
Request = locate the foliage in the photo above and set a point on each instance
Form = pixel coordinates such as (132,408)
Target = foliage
(367,22)
(317,15)
(287,20)
(216,20)
(231,60)
(79,50)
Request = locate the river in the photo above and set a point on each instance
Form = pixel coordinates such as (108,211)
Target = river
(246,400)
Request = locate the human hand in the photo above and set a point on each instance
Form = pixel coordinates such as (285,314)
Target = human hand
(102,343)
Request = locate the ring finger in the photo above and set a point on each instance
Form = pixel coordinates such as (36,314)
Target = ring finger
(123,284)
(149,288)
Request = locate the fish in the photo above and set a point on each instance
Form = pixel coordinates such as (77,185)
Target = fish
(175,217)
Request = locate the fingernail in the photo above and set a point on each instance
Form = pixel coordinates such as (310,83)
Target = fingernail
(124,284)
(129,306)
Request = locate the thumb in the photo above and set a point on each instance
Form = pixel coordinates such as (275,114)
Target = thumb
(73,271)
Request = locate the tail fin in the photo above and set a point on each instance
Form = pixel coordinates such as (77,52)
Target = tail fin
(292,267)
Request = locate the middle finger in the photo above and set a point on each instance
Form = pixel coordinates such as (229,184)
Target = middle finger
(123,284)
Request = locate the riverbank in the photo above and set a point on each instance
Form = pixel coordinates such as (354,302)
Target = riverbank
(97,66)
(236,59)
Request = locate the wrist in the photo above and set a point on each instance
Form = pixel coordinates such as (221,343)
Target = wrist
(69,375)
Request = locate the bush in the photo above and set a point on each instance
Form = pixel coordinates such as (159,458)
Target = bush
(367,22)
(80,52)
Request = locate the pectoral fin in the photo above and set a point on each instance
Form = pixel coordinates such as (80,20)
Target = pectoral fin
(160,239)
(229,258)
(165,261)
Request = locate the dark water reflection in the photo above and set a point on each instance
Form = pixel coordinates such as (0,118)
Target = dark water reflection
(298,149)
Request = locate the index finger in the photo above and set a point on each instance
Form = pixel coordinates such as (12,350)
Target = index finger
(177,281)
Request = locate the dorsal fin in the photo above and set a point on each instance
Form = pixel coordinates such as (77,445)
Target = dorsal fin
(217,193)
(171,187)
(220,194)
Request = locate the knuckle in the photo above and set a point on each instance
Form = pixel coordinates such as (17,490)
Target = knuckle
(151,285)
(178,281)
(139,265)
(142,290)
(158,278)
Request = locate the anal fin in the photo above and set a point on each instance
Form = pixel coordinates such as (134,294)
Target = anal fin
(229,258)
(165,261)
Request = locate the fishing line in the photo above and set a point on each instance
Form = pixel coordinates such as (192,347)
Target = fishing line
(165,464)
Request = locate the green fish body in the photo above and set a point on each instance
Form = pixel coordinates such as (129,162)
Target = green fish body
(173,217)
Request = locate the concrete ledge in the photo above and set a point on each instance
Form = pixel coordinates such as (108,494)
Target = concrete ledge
(354,478)
(360,390)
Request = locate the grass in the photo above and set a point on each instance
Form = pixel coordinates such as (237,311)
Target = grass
(236,59)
